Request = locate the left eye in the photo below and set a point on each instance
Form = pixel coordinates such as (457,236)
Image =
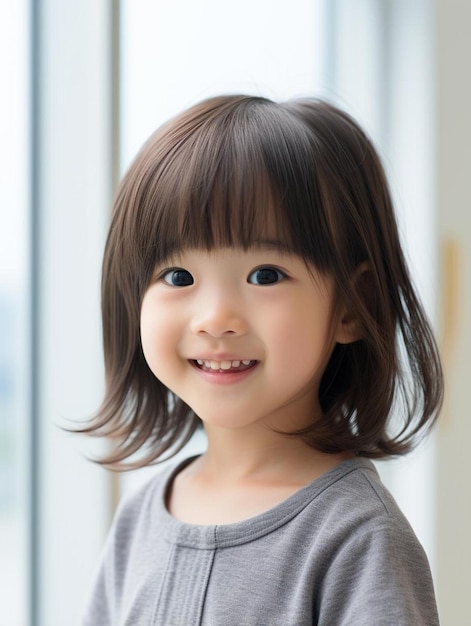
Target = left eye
(266,276)
(178,277)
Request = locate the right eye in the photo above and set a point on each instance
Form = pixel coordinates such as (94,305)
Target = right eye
(177,277)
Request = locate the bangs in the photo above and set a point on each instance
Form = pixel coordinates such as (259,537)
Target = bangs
(227,176)
(220,200)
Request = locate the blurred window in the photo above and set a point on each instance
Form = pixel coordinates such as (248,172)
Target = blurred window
(14,316)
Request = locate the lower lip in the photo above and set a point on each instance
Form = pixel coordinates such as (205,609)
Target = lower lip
(221,377)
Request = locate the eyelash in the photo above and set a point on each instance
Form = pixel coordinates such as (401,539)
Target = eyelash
(280,276)
(173,271)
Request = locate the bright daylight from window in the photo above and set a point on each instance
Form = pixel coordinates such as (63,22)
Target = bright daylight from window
(14,207)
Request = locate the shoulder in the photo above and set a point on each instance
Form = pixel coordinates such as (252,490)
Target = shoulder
(148,498)
(132,521)
(357,515)
(138,512)
(371,555)
(355,493)
(140,498)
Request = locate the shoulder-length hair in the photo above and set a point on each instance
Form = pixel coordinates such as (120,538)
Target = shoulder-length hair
(216,175)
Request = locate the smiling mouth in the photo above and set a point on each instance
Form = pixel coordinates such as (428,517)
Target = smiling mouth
(223,366)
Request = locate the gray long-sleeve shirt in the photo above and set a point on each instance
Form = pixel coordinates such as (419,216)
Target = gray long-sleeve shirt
(337,553)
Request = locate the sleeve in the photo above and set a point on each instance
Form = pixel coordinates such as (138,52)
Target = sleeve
(379,576)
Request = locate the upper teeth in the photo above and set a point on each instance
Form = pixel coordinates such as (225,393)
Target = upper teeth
(222,365)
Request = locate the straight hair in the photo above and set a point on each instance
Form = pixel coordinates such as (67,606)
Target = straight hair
(224,174)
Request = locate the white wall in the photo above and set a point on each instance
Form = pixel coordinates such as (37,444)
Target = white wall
(453,166)
(177,53)
(381,69)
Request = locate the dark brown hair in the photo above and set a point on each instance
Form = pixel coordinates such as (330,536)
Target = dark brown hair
(220,174)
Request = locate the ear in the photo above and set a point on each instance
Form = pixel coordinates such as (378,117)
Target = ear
(348,326)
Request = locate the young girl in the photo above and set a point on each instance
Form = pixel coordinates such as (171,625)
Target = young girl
(254,283)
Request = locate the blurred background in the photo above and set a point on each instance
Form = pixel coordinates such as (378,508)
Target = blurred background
(83,84)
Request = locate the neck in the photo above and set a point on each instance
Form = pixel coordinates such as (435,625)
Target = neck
(259,453)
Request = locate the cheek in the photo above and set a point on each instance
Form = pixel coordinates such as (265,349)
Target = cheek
(154,333)
(148,344)
(304,336)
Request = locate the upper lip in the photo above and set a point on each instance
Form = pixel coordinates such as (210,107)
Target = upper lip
(221,357)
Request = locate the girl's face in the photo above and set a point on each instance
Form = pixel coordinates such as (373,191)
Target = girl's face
(243,337)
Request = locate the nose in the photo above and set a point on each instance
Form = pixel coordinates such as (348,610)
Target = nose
(218,316)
